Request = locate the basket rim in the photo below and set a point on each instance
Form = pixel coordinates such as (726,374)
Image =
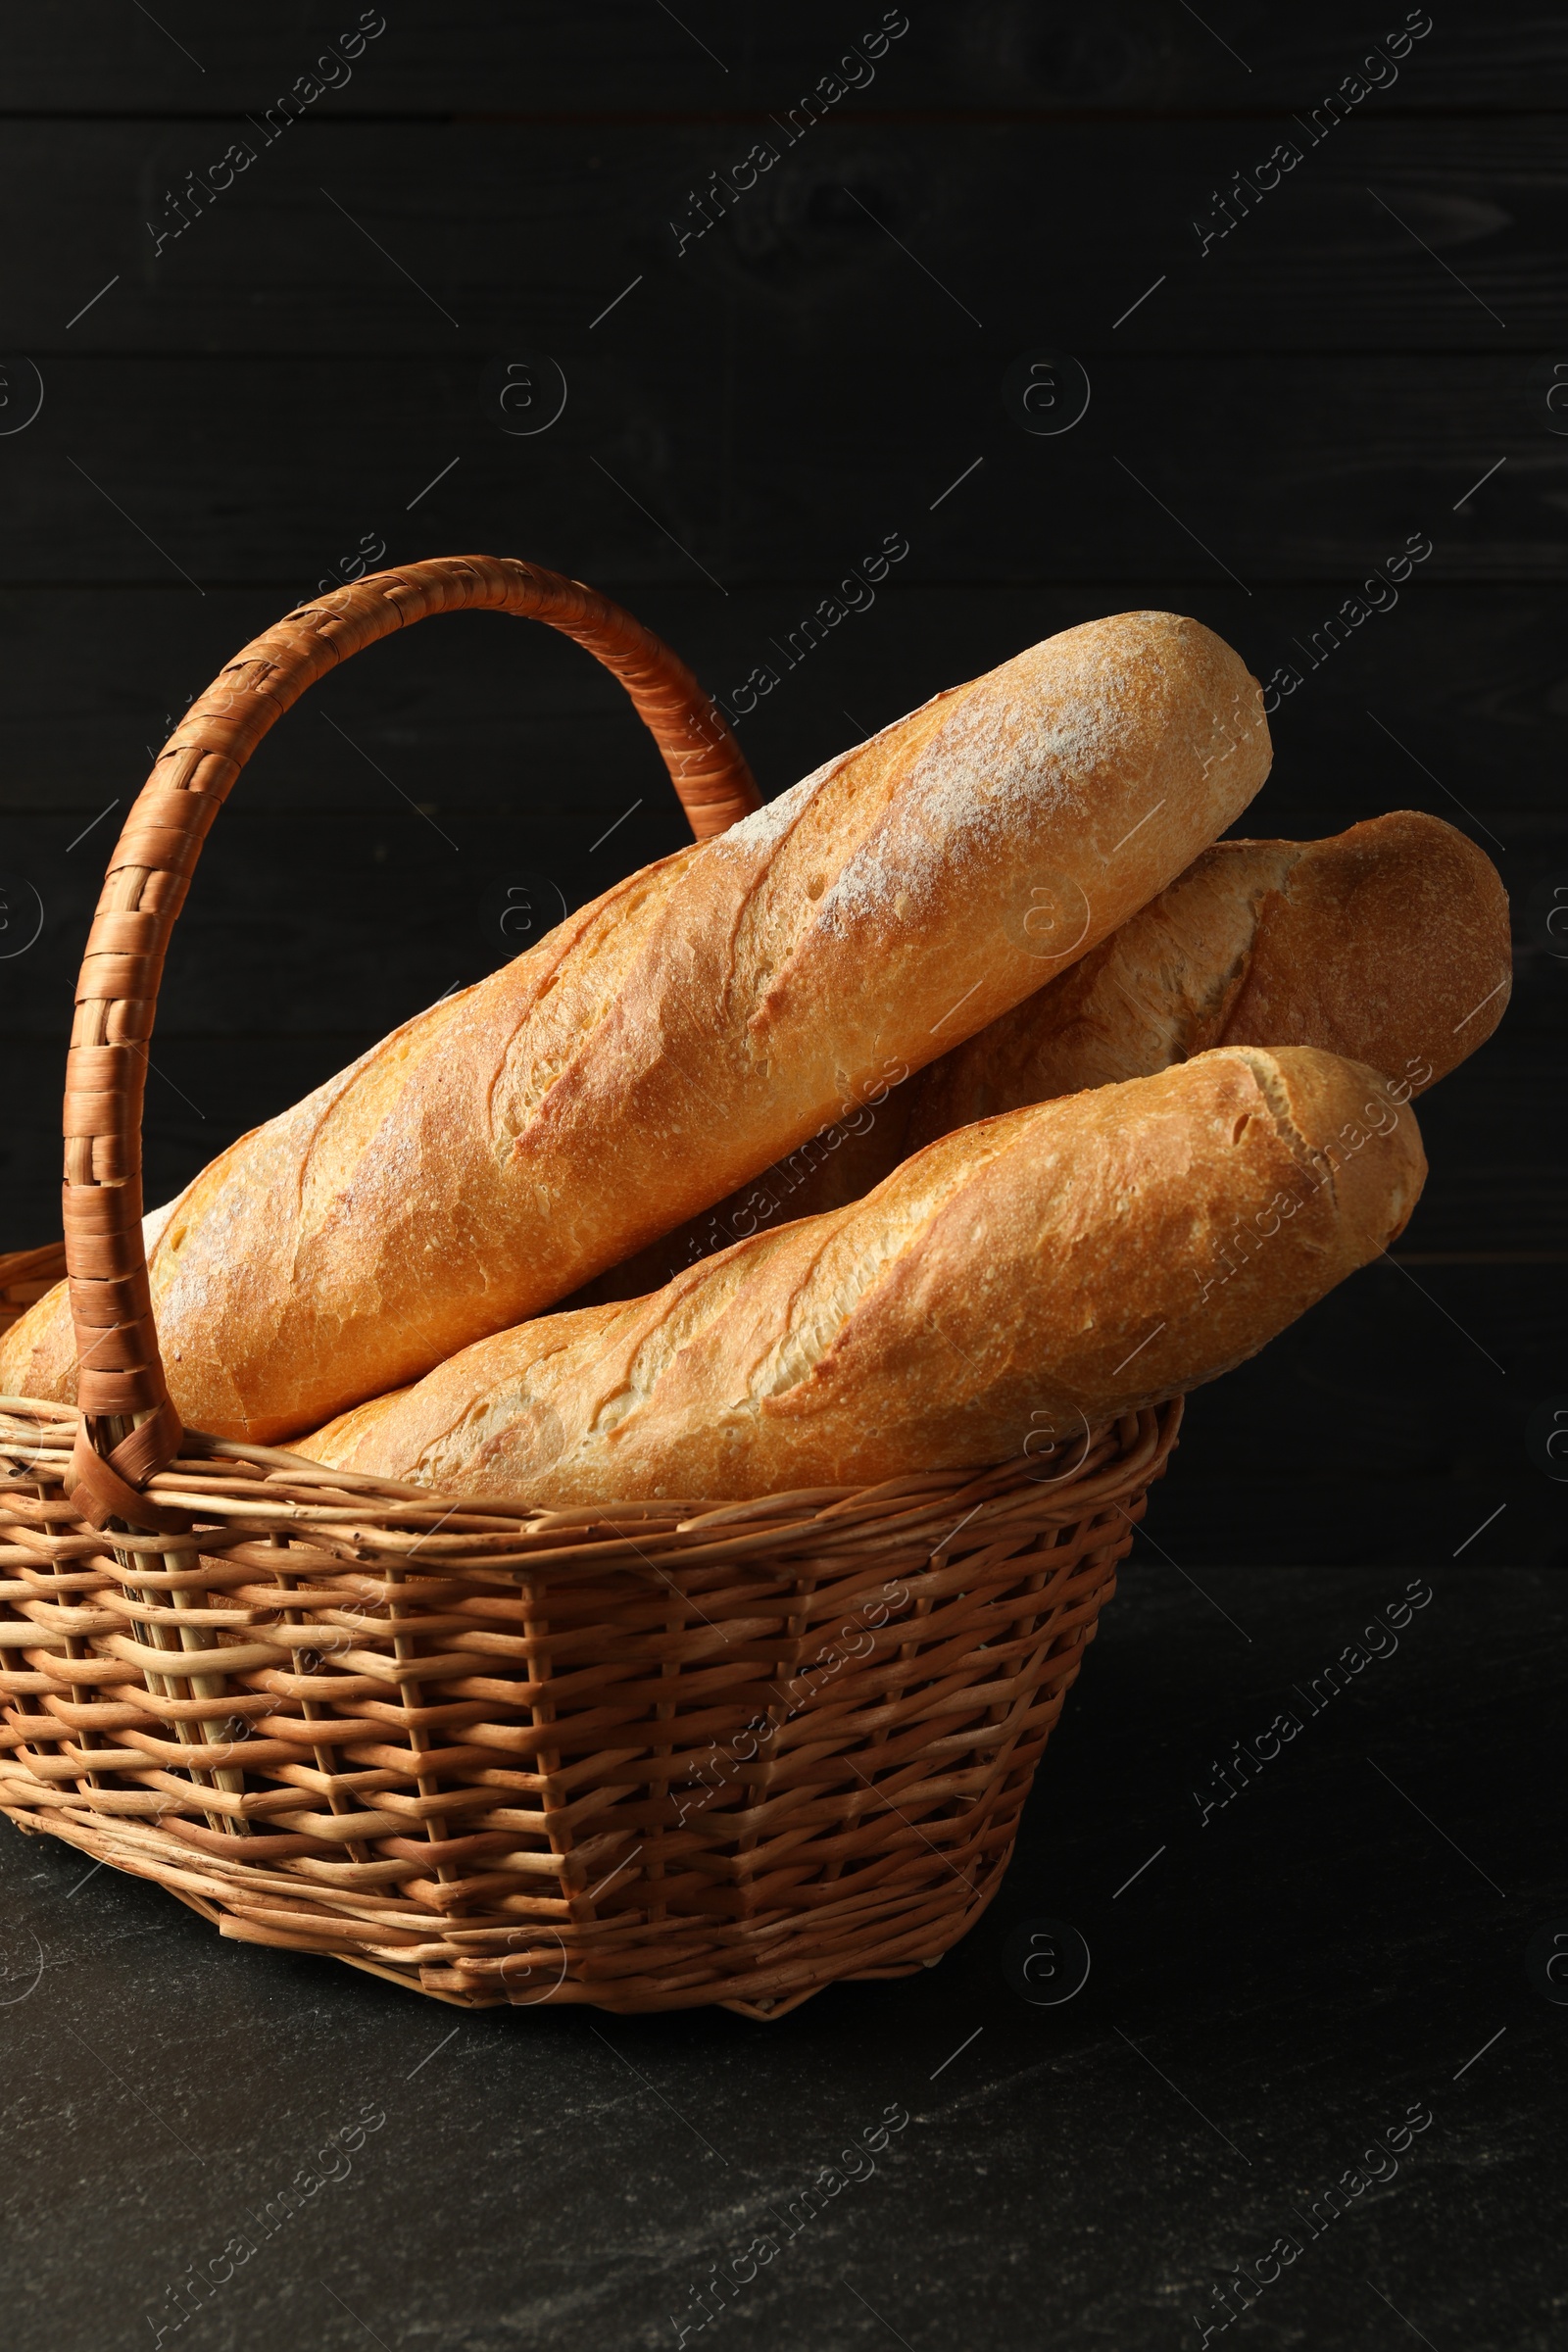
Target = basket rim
(236,1493)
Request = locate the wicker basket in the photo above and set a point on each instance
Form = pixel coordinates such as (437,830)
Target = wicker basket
(651,1756)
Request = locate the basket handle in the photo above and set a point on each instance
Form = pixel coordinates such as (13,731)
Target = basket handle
(129,1429)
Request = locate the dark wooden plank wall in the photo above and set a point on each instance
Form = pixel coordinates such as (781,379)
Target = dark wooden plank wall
(229,415)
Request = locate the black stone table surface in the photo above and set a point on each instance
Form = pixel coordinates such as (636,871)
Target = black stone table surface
(1312,2089)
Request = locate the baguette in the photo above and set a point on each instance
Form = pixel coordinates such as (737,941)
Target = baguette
(686,1028)
(1018,1279)
(1387,944)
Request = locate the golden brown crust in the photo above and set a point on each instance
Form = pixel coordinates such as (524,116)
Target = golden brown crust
(1393,950)
(1387,944)
(699,1019)
(1059,1263)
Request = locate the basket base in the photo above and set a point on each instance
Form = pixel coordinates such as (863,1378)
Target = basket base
(761,2011)
(742,1968)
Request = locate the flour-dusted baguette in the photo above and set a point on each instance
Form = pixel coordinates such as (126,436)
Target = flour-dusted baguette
(1052,1266)
(1387,944)
(683,1030)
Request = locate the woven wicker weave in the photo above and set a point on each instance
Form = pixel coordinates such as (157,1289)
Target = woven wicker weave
(648,1756)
